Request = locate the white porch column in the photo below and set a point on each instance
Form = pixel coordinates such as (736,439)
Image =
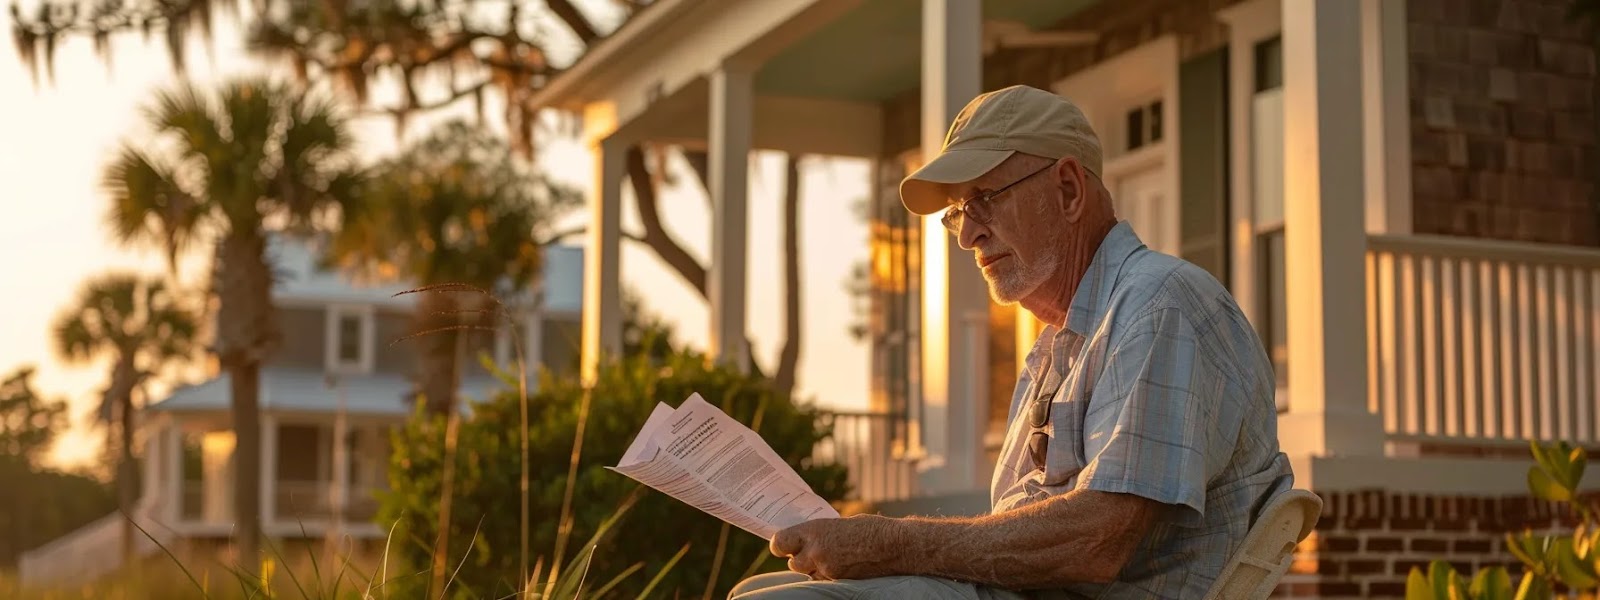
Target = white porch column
(602,303)
(171,441)
(1326,237)
(269,471)
(954,290)
(732,110)
(339,491)
(155,459)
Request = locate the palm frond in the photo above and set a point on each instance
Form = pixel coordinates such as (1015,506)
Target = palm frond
(315,144)
(172,327)
(73,338)
(190,116)
(149,205)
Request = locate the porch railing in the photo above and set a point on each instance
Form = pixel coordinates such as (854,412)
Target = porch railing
(1473,339)
(294,500)
(863,443)
(313,500)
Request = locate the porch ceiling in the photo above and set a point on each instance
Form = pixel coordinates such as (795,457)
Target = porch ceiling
(874,52)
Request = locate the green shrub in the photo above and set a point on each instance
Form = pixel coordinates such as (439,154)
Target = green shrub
(486,501)
(1549,561)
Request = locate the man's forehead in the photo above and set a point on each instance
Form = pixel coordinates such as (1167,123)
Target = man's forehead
(967,189)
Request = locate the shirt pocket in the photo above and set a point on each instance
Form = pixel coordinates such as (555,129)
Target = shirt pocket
(1064,458)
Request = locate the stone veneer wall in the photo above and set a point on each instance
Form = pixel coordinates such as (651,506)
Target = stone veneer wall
(1368,541)
(1502,120)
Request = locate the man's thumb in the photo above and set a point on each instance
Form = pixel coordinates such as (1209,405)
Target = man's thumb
(785,543)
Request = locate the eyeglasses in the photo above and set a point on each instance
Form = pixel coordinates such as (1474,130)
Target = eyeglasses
(979,207)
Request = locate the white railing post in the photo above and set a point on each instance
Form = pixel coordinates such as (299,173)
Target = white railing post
(172,459)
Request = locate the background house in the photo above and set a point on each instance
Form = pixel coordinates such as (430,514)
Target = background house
(329,398)
(1398,193)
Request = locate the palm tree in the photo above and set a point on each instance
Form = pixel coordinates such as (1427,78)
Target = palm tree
(253,157)
(455,207)
(141,326)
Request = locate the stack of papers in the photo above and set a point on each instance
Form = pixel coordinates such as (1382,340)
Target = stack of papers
(701,456)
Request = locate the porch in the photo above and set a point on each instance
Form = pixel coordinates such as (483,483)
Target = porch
(1266,141)
(310,485)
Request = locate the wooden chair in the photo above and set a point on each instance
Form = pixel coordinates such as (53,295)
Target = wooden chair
(1268,549)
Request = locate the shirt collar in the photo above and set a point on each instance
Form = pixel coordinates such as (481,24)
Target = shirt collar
(1094,291)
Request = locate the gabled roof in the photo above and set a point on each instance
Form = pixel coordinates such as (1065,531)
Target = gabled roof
(299,278)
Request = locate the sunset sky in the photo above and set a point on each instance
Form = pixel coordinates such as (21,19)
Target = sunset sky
(56,138)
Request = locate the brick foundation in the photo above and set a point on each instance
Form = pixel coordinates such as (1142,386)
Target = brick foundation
(1502,120)
(1367,542)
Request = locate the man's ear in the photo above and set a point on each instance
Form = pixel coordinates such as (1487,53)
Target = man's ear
(1073,182)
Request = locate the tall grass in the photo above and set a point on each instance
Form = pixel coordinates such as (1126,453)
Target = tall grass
(180,573)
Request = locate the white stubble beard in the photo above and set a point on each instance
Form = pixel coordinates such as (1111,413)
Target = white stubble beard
(1010,283)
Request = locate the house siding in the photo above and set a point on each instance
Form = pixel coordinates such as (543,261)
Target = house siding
(1502,120)
(303,330)
(391,356)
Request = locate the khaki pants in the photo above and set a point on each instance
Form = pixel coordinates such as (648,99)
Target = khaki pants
(788,585)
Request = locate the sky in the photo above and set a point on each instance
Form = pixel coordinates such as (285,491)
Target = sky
(57,137)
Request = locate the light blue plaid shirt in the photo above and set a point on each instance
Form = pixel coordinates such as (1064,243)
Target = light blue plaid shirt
(1160,388)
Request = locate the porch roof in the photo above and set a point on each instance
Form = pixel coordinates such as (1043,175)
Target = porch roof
(874,52)
(843,51)
(306,391)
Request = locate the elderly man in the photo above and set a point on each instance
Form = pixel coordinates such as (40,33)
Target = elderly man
(1143,433)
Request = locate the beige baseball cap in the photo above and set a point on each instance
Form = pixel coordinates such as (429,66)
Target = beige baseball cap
(991,128)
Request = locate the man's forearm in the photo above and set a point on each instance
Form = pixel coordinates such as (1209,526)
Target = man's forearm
(1076,537)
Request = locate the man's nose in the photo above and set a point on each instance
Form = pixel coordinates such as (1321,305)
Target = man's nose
(970,233)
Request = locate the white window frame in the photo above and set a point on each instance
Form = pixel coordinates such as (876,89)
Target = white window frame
(363,365)
(1249,23)
(1107,91)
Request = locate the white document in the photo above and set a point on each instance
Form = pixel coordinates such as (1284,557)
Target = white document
(704,458)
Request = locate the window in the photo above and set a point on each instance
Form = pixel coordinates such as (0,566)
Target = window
(349,339)
(1143,125)
(1275,303)
(1266,115)
(349,334)
(1269,64)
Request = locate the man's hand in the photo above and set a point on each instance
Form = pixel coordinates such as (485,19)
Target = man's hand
(859,547)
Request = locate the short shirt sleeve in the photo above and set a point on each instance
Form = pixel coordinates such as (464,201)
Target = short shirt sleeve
(1147,423)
